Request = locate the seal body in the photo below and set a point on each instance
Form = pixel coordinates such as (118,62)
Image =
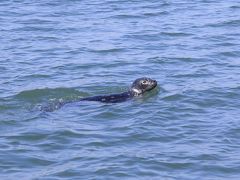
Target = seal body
(112,98)
(138,88)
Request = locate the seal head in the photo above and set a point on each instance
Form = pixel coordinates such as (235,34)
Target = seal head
(142,85)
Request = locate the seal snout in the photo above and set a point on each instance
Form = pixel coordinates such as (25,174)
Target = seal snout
(153,83)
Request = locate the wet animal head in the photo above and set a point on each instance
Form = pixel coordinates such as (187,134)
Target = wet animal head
(142,85)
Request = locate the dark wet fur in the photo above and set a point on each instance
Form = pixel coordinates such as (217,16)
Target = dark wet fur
(112,98)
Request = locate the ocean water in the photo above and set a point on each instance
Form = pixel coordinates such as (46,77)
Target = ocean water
(58,50)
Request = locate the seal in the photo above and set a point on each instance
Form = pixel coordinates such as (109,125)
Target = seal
(138,88)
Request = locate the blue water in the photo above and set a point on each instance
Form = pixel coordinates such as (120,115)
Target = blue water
(59,50)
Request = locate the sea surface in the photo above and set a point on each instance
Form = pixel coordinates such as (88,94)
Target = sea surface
(53,51)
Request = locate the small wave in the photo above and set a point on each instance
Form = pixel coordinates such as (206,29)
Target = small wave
(152,14)
(47,92)
(231,54)
(127,16)
(156,36)
(111,50)
(34,28)
(48,99)
(195,74)
(173,97)
(36,76)
(235,7)
(176,34)
(231,23)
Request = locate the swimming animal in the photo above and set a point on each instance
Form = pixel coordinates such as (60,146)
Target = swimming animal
(138,88)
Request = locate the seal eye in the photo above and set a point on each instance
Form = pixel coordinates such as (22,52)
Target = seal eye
(144,82)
